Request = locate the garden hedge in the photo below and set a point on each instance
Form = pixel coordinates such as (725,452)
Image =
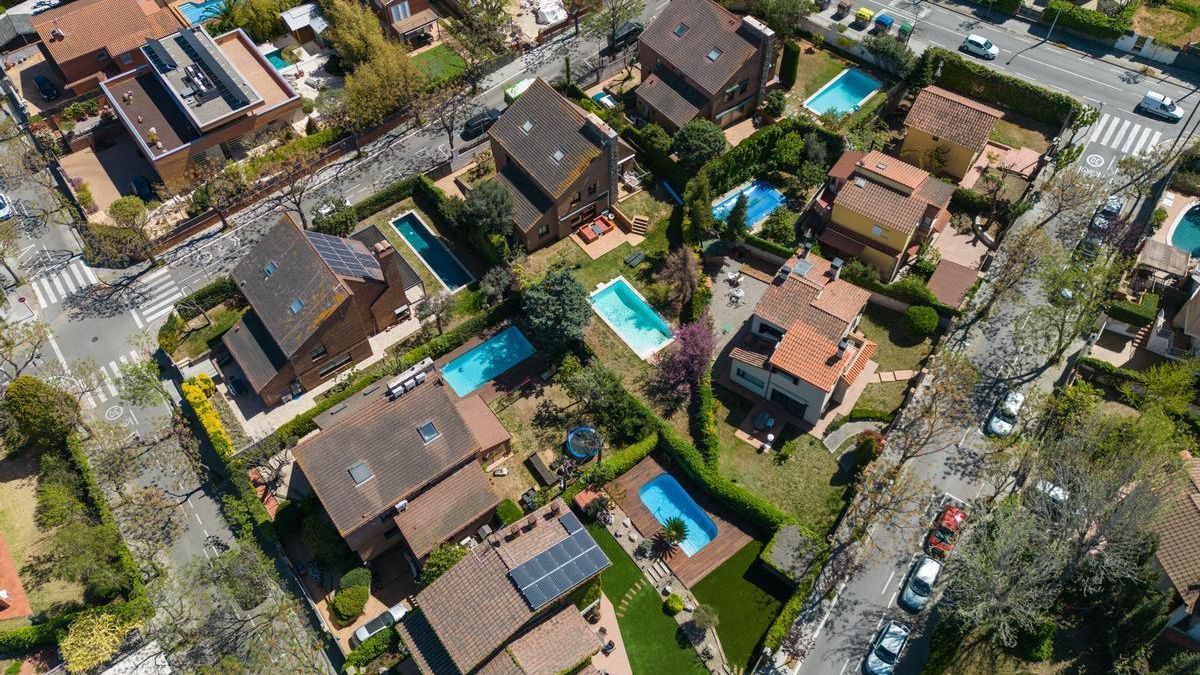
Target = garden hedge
(372,648)
(614,464)
(910,290)
(750,157)
(210,421)
(1068,15)
(1134,313)
(705,421)
(206,297)
(769,246)
(659,162)
(995,88)
(1006,6)
(789,64)
(791,609)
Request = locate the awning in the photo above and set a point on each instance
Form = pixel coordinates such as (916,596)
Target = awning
(841,242)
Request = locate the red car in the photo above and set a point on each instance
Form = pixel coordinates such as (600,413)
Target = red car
(945,530)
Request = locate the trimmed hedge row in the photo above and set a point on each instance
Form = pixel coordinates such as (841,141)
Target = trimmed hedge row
(1134,313)
(209,420)
(993,87)
(791,609)
(613,465)
(206,297)
(372,648)
(769,246)
(1070,16)
(789,64)
(911,290)
(706,421)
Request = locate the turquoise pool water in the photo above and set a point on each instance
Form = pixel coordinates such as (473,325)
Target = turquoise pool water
(277,60)
(845,93)
(432,252)
(1187,233)
(487,361)
(666,498)
(761,200)
(628,314)
(196,12)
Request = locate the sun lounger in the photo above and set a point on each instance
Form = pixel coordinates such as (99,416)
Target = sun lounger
(587,234)
(634,259)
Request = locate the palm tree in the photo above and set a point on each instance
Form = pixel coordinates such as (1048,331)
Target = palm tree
(225,15)
(674,531)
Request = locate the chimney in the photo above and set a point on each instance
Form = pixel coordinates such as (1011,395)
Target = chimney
(835,269)
(803,251)
(531,522)
(57,33)
(606,138)
(843,345)
(766,44)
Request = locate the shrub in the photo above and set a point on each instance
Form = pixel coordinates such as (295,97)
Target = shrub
(587,595)
(775,103)
(866,450)
(170,332)
(1089,21)
(115,247)
(348,604)
(323,541)
(1157,218)
(968,200)
(789,64)
(674,604)
(656,138)
(209,420)
(991,86)
(920,321)
(659,161)
(441,558)
(1135,313)
(372,648)
(84,194)
(359,576)
(785,453)
(509,512)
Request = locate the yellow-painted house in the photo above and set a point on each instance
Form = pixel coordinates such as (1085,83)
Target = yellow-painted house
(879,209)
(945,132)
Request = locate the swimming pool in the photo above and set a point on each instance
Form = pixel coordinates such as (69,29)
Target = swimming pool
(761,201)
(196,12)
(1186,233)
(631,317)
(487,361)
(277,60)
(453,275)
(665,498)
(844,93)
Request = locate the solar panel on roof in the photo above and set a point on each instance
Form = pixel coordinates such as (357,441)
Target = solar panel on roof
(343,259)
(571,522)
(159,57)
(558,569)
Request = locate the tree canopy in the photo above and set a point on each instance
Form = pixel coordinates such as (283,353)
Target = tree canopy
(37,415)
(696,143)
(557,309)
(489,206)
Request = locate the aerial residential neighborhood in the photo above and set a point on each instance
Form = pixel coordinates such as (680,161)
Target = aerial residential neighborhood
(605,337)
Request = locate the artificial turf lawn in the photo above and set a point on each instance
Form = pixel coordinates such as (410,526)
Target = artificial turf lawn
(747,598)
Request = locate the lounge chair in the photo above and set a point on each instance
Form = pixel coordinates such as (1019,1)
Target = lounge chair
(605,225)
(587,234)
(634,259)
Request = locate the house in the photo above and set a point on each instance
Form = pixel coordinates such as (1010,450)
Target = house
(88,41)
(315,300)
(1161,276)
(879,209)
(801,350)
(304,23)
(407,19)
(505,607)
(945,132)
(199,98)
(402,464)
(699,60)
(559,163)
(1177,556)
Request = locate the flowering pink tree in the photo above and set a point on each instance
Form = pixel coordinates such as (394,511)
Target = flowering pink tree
(678,371)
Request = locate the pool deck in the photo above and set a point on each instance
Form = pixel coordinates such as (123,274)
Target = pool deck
(730,539)
(1175,204)
(526,372)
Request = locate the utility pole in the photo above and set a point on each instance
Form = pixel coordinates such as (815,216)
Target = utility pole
(1053,24)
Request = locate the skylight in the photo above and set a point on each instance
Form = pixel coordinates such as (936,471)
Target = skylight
(527,126)
(428,431)
(296,306)
(559,154)
(681,29)
(714,54)
(360,473)
(270,269)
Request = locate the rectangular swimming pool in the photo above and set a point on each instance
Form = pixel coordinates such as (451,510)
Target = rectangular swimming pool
(665,498)
(845,93)
(487,361)
(277,60)
(761,201)
(629,315)
(453,275)
(197,12)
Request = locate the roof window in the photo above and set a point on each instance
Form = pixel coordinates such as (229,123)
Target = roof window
(681,29)
(270,269)
(360,473)
(714,54)
(527,126)
(559,154)
(296,306)
(429,432)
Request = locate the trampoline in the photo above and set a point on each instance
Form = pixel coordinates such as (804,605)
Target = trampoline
(584,442)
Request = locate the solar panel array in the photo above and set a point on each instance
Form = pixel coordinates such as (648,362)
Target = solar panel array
(159,57)
(558,569)
(342,258)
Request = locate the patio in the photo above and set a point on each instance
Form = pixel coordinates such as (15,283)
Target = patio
(604,243)
(739,132)
(26,63)
(729,316)
(108,172)
(1021,161)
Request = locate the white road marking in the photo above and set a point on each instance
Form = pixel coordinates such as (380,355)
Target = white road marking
(1137,150)
(37,293)
(893,600)
(1111,128)
(1098,128)
(1153,141)
(887,584)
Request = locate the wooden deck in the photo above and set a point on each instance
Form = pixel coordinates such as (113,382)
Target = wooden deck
(730,539)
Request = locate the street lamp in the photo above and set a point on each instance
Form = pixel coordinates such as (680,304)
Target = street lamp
(1052,23)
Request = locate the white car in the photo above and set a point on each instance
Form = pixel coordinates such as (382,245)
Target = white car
(977,45)
(919,588)
(1160,105)
(1052,491)
(1005,416)
(6,209)
(389,618)
(885,650)
(329,205)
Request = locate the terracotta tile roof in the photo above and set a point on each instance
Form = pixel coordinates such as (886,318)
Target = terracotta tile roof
(893,169)
(419,20)
(860,362)
(114,25)
(556,645)
(893,193)
(950,282)
(752,351)
(1178,532)
(844,167)
(811,355)
(842,299)
(446,508)
(882,204)
(707,27)
(947,115)
(936,192)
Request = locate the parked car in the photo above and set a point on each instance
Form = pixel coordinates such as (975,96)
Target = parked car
(604,100)
(626,34)
(6,208)
(1108,213)
(945,530)
(1004,417)
(141,188)
(977,45)
(480,123)
(919,587)
(328,206)
(390,617)
(1089,247)
(886,649)
(45,87)
(1161,106)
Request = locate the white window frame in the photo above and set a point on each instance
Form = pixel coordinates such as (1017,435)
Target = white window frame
(400,11)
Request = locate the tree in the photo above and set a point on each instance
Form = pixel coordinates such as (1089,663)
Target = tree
(697,199)
(150,519)
(557,309)
(20,346)
(1169,386)
(478,37)
(605,397)
(36,415)
(440,560)
(677,372)
(130,213)
(680,272)
(90,555)
(226,16)
(436,306)
(1071,195)
(609,15)
(386,82)
(779,227)
(930,422)
(696,143)
(296,176)
(94,638)
(489,206)
(705,617)
(140,383)
(788,153)
(115,455)
(783,16)
(1076,292)
(338,220)
(891,54)
(1187,663)
(496,284)
(1019,260)
(354,31)
(920,321)
(1142,171)
(674,531)
(888,495)
(735,222)
(10,239)
(448,106)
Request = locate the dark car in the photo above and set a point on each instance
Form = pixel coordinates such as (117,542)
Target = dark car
(141,188)
(480,123)
(45,87)
(626,34)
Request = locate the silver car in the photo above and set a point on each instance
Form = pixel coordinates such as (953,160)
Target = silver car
(1005,417)
(886,649)
(919,588)
(977,45)
(389,618)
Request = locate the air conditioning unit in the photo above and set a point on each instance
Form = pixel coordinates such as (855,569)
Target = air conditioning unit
(401,506)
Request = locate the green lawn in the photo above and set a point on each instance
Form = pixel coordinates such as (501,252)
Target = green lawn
(650,635)
(221,319)
(898,350)
(1022,133)
(815,70)
(807,486)
(439,63)
(747,598)
(886,396)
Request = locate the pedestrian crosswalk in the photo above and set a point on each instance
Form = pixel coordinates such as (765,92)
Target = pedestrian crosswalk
(54,287)
(1125,136)
(103,386)
(160,292)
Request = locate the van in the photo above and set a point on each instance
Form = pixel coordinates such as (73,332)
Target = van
(626,34)
(1160,105)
